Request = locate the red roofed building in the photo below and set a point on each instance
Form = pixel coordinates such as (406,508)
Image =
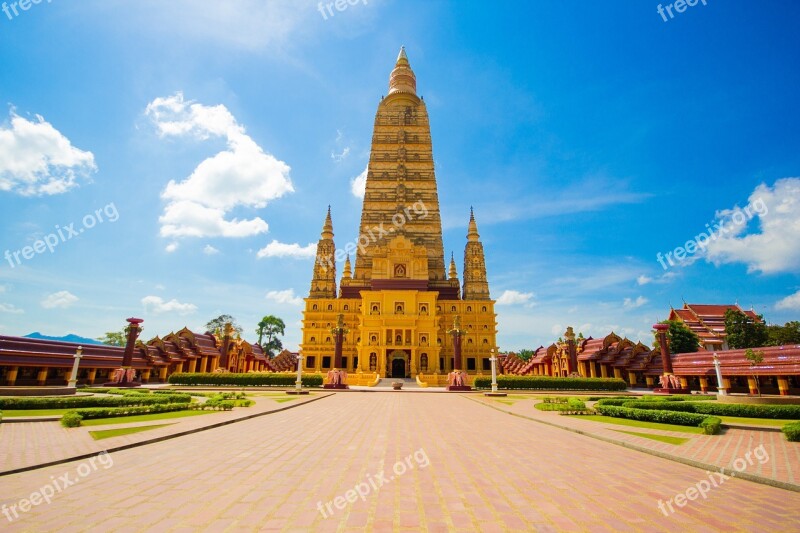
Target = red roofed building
(708,323)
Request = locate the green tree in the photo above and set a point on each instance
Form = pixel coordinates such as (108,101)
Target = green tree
(743,331)
(680,338)
(268,330)
(783,335)
(219,324)
(114,338)
(755,358)
(525,354)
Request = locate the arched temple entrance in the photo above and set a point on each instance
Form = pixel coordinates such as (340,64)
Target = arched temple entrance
(398,364)
(398,368)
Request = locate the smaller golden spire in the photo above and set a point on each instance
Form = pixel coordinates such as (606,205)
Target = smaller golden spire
(327,228)
(453,271)
(348,271)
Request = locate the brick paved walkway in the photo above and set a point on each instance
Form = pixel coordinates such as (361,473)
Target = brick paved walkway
(32,443)
(487,471)
(718,450)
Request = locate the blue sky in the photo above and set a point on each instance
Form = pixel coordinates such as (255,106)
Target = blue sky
(209,138)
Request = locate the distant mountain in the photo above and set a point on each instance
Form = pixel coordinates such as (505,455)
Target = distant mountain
(66,338)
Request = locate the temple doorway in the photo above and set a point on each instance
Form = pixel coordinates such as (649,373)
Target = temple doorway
(398,368)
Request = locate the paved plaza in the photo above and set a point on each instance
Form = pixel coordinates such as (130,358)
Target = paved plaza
(411,462)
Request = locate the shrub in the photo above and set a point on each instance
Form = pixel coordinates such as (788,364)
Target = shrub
(251,379)
(666,406)
(791,412)
(561,404)
(711,425)
(509,382)
(71,419)
(792,431)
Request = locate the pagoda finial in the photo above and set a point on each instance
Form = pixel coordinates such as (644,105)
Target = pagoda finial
(327,228)
(402,78)
(453,272)
(348,270)
(472,234)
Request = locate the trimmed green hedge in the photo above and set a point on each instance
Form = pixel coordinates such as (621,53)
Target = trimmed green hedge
(61,402)
(110,412)
(547,383)
(710,427)
(720,409)
(561,404)
(245,380)
(792,431)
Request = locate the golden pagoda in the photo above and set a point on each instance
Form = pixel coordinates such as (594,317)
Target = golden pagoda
(399,301)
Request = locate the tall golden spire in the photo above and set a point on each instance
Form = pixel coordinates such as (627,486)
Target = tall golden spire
(327,228)
(472,234)
(348,272)
(402,79)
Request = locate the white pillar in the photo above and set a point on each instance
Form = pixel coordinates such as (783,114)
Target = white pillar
(73,377)
(298,385)
(720,386)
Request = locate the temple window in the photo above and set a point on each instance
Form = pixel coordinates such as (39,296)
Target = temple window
(330,307)
(423,310)
(423,362)
(398,308)
(346,307)
(398,339)
(327,340)
(453,308)
(313,340)
(373,339)
(311,361)
(483,309)
(485,341)
(470,363)
(373,362)
(314,307)
(376,310)
(469,309)
(326,361)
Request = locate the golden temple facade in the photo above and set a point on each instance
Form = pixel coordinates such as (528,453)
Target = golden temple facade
(401,300)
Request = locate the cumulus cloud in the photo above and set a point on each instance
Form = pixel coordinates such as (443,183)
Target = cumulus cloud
(37,160)
(775,248)
(60,300)
(243,175)
(10,309)
(284,297)
(171,247)
(358,185)
(210,250)
(515,298)
(294,250)
(643,280)
(790,303)
(157,306)
(634,304)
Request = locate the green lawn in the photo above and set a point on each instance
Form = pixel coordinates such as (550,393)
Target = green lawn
(11,413)
(108,433)
(660,438)
(639,424)
(755,421)
(286,399)
(144,418)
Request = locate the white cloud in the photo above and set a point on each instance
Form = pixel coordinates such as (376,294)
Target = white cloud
(171,247)
(280,249)
(358,185)
(634,304)
(515,298)
(210,250)
(557,329)
(157,306)
(241,176)
(60,300)
(284,297)
(37,160)
(340,156)
(791,302)
(773,250)
(3,289)
(643,280)
(11,309)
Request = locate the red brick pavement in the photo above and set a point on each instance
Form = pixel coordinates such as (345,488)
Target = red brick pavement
(487,472)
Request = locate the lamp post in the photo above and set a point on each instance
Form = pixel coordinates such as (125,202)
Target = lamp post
(493,359)
(73,377)
(720,388)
